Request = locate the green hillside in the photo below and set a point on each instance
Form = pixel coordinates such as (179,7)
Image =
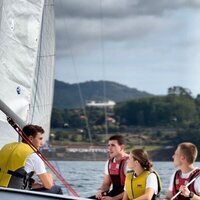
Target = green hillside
(69,95)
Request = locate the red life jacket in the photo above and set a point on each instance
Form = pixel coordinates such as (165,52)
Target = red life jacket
(116,172)
(178,181)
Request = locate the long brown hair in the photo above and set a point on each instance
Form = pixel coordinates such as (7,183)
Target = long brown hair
(142,157)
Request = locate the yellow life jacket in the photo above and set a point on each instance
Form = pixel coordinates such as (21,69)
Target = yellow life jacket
(12,158)
(135,186)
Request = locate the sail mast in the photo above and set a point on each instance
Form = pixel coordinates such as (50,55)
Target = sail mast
(42,98)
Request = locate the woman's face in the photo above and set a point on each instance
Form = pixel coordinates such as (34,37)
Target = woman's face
(131,162)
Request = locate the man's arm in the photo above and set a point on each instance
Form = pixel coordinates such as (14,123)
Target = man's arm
(35,163)
(169,195)
(118,197)
(186,193)
(125,196)
(104,187)
(46,179)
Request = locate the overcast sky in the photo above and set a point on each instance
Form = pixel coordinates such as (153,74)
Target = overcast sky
(150,45)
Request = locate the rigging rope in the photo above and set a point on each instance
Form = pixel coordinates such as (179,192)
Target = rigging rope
(103,69)
(20,132)
(78,85)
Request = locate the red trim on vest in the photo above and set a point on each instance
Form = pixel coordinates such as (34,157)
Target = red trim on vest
(178,181)
(117,169)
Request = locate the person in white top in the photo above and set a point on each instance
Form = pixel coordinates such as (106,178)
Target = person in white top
(184,158)
(35,163)
(19,163)
(115,170)
(142,182)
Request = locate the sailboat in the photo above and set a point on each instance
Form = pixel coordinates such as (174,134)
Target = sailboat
(27,53)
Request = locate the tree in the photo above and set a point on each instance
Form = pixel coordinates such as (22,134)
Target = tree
(179,91)
(57,119)
(168,110)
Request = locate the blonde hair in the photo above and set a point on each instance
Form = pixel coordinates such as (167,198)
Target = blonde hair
(189,150)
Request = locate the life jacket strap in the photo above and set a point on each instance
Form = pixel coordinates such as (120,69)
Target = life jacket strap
(17,174)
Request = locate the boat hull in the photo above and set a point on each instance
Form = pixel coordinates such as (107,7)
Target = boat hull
(16,194)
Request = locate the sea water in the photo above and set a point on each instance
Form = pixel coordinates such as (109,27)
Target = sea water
(86,177)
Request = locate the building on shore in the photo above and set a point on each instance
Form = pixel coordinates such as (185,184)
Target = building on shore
(109,104)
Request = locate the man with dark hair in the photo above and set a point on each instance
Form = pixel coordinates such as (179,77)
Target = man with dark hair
(19,162)
(184,158)
(115,170)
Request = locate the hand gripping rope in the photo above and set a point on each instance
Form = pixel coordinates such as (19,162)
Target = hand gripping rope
(174,197)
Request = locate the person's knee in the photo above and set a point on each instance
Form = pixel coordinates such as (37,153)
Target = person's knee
(56,189)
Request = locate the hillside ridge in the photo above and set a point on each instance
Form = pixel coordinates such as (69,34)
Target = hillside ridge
(68,95)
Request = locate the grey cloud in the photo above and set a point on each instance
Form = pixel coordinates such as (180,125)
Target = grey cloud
(81,24)
(119,8)
(154,7)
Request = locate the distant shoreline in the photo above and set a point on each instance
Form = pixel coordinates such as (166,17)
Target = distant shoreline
(98,154)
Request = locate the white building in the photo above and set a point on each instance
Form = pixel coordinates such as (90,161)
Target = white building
(109,104)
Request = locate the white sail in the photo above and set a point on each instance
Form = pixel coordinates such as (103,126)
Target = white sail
(27,50)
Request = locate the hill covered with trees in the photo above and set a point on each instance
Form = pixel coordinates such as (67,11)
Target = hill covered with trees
(155,121)
(76,95)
